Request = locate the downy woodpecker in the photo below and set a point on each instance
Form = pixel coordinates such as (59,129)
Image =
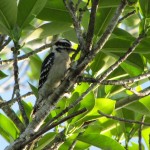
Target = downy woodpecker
(53,70)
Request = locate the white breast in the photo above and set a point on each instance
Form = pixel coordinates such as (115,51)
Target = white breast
(56,74)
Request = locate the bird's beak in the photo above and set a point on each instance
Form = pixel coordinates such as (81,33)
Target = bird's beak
(71,50)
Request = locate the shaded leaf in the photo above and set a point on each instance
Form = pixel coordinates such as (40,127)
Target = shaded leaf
(2,75)
(103,17)
(138,107)
(35,64)
(105,4)
(27,10)
(55,11)
(7,20)
(121,45)
(145,8)
(49,29)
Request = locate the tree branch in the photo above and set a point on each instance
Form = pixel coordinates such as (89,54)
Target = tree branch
(77,26)
(47,128)
(90,31)
(140,94)
(10,102)
(140,133)
(26,56)
(16,87)
(127,16)
(115,82)
(6,42)
(123,120)
(128,100)
(99,45)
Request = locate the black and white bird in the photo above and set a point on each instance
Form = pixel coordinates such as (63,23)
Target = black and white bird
(53,70)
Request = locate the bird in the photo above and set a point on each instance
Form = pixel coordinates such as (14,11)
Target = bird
(53,70)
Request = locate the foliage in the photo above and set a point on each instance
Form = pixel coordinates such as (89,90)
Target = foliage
(35,22)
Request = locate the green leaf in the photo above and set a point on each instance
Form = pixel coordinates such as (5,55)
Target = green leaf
(28,107)
(131,65)
(34,90)
(122,34)
(145,135)
(70,35)
(45,140)
(146,102)
(138,107)
(8,15)
(28,10)
(145,8)
(100,141)
(49,29)
(2,75)
(8,129)
(55,11)
(88,102)
(34,62)
(120,45)
(101,63)
(78,146)
(103,17)
(106,4)
(103,104)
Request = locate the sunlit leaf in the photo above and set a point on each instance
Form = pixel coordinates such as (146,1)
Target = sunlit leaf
(8,129)
(45,140)
(100,141)
(34,90)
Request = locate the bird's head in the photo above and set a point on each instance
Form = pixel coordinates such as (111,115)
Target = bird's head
(63,44)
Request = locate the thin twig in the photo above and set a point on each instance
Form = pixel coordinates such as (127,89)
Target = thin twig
(26,56)
(90,32)
(128,100)
(56,142)
(10,102)
(77,5)
(77,26)
(122,58)
(127,16)
(110,27)
(140,94)
(2,38)
(116,82)
(140,133)
(124,120)
(16,87)
(5,43)
(72,146)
